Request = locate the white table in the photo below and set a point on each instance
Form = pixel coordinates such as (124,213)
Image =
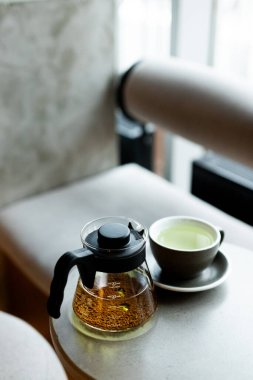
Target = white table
(205,335)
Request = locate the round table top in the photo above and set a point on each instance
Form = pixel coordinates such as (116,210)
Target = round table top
(197,335)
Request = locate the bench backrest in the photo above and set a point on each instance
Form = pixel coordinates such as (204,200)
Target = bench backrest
(56,93)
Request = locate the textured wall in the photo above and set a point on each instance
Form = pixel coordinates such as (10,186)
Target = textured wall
(56,100)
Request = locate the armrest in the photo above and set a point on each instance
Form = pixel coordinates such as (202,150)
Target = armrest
(192,101)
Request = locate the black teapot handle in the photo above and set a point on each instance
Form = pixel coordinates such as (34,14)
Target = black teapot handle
(84,259)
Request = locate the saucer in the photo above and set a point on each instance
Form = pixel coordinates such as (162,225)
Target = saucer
(210,278)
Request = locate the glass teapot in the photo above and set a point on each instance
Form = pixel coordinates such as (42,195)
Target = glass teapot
(114,297)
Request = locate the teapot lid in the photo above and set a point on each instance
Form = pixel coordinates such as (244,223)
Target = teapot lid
(113,235)
(118,243)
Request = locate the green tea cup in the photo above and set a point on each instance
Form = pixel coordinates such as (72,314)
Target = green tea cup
(184,246)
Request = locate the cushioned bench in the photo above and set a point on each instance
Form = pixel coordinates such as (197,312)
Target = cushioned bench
(25,354)
(36,231)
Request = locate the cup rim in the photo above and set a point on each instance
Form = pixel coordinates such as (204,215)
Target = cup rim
(184,217)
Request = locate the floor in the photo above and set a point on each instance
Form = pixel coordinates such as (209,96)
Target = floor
(19,297)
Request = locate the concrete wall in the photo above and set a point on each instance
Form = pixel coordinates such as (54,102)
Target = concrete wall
(56,93)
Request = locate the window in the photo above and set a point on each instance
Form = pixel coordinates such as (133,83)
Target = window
(211,32)
(234,42)
(143,30)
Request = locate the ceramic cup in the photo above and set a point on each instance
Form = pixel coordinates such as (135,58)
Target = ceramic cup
(184,246)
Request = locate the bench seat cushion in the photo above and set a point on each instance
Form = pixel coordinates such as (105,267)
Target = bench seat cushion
(34,232)
(25,354)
